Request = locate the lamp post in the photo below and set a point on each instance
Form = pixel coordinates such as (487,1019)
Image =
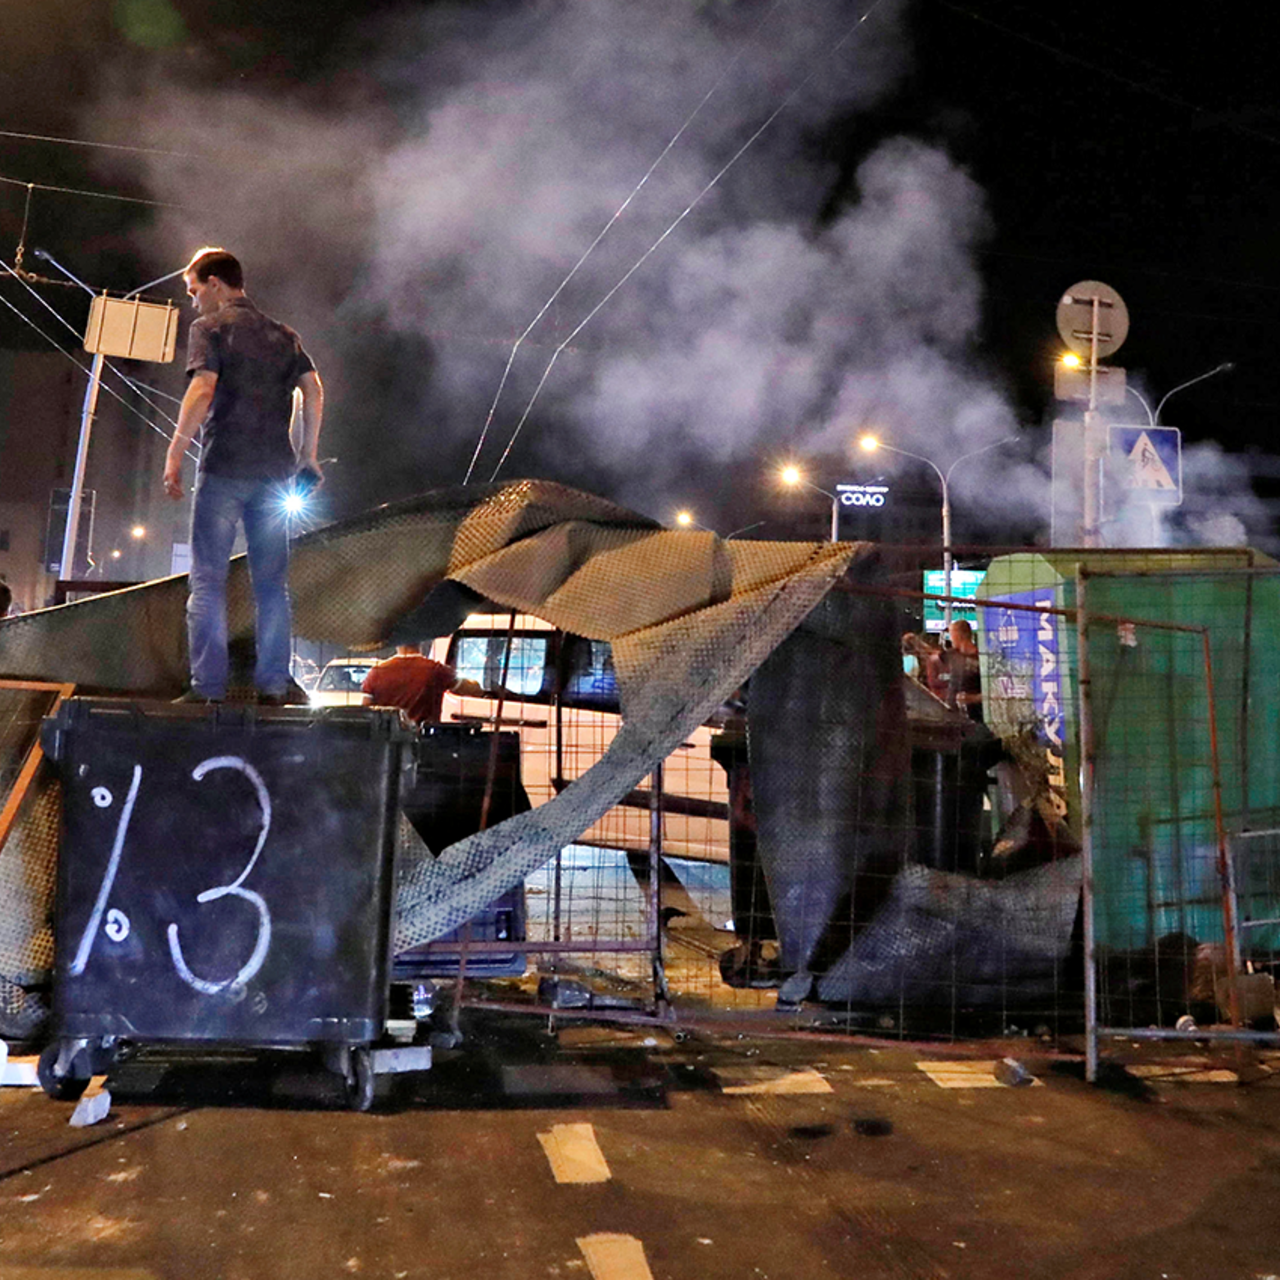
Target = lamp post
(1153,420)
(1153,416)
(871,443)
(792,476)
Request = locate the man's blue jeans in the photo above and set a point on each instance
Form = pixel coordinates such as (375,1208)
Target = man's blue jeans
(222,502)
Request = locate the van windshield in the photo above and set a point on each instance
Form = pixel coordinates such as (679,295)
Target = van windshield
(346,678)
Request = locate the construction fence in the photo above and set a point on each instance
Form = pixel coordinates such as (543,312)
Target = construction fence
(848,836)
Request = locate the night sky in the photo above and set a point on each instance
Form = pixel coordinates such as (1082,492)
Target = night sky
(890,249)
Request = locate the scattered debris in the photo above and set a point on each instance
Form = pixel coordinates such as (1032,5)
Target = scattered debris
(597,1037)
(967,1075)
(91,1109)
(1011,1072)
(16,1071)
(567,993)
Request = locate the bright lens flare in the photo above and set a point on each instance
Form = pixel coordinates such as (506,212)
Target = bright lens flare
(791,475)
(294,504)
(1071,360)
(138,531)
(684,518)
(869,443)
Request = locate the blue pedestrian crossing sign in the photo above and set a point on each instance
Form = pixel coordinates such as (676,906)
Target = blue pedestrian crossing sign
(1147,461)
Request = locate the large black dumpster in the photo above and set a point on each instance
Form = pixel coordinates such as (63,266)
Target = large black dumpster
(225,877)
(464,778)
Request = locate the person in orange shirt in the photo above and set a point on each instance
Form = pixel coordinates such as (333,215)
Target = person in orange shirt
(410,681)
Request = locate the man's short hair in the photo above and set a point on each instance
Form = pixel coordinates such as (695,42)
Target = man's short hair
(216,262)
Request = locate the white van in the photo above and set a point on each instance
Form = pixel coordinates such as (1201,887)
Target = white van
(561,739)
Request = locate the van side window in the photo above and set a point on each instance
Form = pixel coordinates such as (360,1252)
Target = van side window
(480,658)
(592,681)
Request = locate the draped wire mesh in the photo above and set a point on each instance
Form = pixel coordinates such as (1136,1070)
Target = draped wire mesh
(29,803)
(729,751)
(1184,707)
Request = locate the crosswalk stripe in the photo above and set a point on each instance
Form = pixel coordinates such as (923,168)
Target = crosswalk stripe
(574,1154)
(964,1075)
(615,1257)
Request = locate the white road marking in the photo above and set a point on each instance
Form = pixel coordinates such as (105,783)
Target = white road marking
(615,1257)
(574,1154)
(965,1075)
(1181,1074)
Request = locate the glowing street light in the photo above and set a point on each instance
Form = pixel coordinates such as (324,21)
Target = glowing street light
(684,519)
(1071,360)
(871,443)
(792,476)
(138,532)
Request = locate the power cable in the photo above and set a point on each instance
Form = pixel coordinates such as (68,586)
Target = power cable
(104,146)
(131,383)
(111,391)
(95,195)
(604,231)
(648,253)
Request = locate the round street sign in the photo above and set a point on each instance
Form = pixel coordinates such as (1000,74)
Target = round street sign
(1075,318)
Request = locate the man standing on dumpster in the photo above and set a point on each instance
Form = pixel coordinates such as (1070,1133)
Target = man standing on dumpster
(242,368)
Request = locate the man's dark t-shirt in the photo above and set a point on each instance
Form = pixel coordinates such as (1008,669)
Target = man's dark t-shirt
(415,683)
(258,362)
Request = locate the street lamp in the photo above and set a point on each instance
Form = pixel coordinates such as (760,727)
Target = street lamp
(870,443)
(1153,416)
(1153,420)
(792,476)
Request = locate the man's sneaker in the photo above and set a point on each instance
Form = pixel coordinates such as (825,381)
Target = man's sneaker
(293,696)
(195,696)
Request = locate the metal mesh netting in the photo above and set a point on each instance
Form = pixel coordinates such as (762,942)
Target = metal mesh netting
(689,618)
(29,801)
(883,878)
(885,846)
(1184,708)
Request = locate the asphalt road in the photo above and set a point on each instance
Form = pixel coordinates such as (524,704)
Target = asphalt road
(707,1158)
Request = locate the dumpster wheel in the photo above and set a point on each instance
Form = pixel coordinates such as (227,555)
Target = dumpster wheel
(69,1087)
(360,1080)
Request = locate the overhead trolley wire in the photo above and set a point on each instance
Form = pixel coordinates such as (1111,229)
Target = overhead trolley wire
(111,391)
(648,253)
(103,146)
(95,195)
(604,231)
(139,388)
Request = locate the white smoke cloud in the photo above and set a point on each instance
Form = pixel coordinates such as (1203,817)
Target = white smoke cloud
(437,225)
